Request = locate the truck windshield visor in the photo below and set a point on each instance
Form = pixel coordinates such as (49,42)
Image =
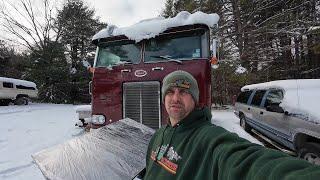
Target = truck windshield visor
(178,46)
(116,53)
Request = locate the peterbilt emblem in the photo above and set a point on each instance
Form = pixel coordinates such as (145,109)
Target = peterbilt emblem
(140,73)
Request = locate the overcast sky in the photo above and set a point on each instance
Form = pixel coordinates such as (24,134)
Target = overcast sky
(126,12)
(121,13)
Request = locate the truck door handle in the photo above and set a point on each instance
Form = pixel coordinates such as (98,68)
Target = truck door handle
(261,112)
(125,70)
(157,69)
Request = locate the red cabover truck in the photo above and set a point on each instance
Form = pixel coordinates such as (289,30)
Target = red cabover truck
(131,63)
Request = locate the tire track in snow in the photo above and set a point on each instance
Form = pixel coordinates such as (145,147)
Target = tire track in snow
(14,169)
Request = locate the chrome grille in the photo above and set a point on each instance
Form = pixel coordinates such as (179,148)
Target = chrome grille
(141,102)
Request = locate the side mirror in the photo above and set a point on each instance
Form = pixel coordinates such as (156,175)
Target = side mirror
(214,51)
(90,87)
(275,108)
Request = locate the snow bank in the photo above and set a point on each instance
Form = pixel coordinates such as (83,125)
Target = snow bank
(83,108)
(150,28)
(18,82)
(300,96)
(231,123)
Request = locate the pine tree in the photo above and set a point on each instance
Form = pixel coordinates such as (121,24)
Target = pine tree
(77,25)
(48,68)
(168,10)
(12,64)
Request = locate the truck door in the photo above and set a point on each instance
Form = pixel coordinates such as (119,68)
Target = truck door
(273,116)
(255,107)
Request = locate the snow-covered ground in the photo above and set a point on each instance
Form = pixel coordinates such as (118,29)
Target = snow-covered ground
(26,130)
(229,121)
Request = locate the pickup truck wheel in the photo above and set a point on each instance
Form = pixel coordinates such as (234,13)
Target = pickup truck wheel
(244,124)
(2,103)
(21,101)
(5,102)
(311,153)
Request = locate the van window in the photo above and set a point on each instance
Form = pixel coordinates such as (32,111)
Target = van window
(274,97)
(7,85)
(24,87)
(244,96)
(256,101)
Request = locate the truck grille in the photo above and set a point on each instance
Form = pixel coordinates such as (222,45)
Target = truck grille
(141,102)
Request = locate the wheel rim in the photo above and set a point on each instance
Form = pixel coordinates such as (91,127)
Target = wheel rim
(312,158)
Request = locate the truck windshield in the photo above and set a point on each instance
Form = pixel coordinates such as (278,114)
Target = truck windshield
(111,54)
(179,46)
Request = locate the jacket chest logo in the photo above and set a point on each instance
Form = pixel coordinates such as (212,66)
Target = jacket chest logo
(173,155)
(166,158)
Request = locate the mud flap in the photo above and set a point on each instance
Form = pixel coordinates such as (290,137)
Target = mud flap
(116,151)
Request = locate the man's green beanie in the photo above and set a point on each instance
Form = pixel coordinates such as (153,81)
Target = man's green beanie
(181,79)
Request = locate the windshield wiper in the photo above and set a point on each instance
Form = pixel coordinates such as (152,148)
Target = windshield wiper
(167,57)
(126,62)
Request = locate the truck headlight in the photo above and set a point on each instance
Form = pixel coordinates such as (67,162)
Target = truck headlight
(98,119)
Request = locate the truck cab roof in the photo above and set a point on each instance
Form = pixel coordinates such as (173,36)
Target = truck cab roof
(151,28)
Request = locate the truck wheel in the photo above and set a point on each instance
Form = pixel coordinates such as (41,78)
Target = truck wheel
(310,152)
(4,102)
(21,101)
(244,124)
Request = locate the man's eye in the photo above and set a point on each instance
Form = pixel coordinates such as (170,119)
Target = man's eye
(183,92)
(169,92)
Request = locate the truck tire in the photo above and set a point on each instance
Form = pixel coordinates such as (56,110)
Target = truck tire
(5,102)
(310,152)
(244,124)
(21,101)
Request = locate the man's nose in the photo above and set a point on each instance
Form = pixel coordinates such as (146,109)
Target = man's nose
(176,96)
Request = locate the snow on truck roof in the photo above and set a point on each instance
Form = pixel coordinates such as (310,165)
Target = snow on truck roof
(150,28)
(18,82)
(285,84)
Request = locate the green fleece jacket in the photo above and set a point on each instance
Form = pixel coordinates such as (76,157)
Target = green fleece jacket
(196,149)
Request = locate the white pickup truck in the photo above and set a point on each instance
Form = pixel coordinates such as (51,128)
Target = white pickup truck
(16,91)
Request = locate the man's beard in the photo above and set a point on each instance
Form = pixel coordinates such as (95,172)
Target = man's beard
(177,111)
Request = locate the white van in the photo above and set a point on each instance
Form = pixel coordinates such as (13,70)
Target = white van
(16,91)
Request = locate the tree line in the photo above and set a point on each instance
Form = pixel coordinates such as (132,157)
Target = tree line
(57,47)
(258,41)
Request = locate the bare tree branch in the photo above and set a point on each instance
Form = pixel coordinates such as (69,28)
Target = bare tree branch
(22,20)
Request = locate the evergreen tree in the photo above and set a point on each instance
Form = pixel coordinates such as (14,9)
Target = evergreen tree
(77,25)
(168,10)
(12,64)
(48,68)
(4,58)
